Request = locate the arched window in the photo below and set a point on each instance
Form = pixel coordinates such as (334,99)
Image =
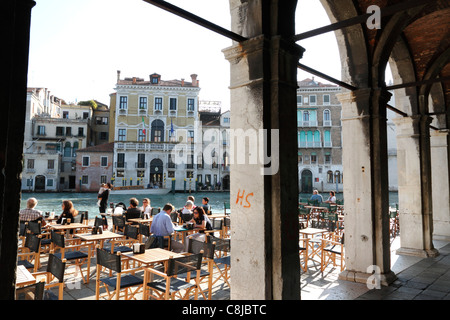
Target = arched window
(317,139)
(305,115)
(330,176)
(337,177)
(326,115)
(302,139)
(157,131)
(74,149)
(309,136)
(67,149)
(327,138)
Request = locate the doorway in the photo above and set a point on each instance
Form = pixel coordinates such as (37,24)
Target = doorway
(156,173)
(306,186)
(39,183)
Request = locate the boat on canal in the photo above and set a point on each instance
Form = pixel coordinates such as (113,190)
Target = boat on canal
(139,190)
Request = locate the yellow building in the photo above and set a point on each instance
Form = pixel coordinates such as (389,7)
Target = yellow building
(149,120)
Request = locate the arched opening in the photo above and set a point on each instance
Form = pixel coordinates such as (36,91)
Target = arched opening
(306,181)
(157,131)
(156,173)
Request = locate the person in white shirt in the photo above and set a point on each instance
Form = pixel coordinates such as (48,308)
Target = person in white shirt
(331,198)
(146,208)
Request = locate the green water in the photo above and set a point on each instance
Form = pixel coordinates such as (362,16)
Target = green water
(88,201)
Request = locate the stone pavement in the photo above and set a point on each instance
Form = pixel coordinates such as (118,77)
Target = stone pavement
(417,279)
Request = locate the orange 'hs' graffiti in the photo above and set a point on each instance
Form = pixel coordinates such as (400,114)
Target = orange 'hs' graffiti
(241,197)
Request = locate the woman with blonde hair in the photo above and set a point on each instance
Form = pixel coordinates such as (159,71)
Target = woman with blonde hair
(69,212)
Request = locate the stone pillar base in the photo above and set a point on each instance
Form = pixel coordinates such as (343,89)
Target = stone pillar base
(368,278)
(423,253)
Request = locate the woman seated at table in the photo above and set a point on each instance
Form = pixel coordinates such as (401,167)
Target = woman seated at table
(146,208)
(331,198)
(69,211)
(200,219)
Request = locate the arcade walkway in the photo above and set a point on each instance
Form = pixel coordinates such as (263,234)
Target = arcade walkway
(417,279)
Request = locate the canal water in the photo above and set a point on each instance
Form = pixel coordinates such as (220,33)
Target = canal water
(88,201)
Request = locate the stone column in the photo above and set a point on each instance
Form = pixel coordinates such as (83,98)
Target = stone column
(441,190)
(365,186)
(415,231)
(263,154)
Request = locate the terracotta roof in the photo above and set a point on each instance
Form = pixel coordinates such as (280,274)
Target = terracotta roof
(105,147)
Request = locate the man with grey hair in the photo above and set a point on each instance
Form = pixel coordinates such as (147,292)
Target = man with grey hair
(30,213)
(316,196)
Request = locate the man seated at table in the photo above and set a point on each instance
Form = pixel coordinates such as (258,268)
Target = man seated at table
(162,225)
(133,212)
(30,213)
(316,197)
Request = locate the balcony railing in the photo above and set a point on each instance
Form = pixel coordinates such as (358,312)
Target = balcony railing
(307,123)
(120,164)
(140,165)
(171,165)
(146,146)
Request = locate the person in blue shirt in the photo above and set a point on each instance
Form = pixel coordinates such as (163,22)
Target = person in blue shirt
(316,196)
(162,225)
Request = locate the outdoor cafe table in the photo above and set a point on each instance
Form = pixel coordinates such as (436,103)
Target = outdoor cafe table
(151,256)
(106,235)
(141,220)
(66,227)
(310,233)
(24,277)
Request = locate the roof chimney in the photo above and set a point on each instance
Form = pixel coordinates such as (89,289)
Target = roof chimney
(118,75)
(194,80)
(134,80)
(182,82)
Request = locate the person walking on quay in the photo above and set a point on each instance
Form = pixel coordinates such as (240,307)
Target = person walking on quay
(30,213)
(103,197)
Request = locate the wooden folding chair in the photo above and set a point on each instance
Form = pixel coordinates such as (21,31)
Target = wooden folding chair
(122,282)
(73,253)
(303,251)
(55,270)
(170,287)
(196,247)
(30,252)
(332,251)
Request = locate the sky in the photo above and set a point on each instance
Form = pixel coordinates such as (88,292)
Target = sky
(77,46)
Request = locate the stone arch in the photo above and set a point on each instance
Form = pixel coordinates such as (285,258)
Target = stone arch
(351,41)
